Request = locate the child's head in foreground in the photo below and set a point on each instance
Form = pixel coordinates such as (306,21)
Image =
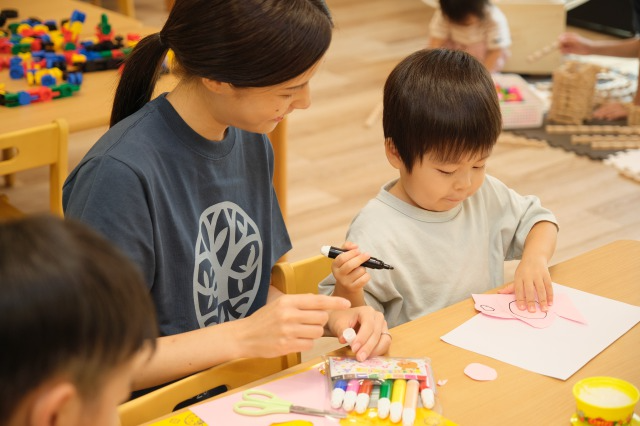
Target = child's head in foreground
(441,120)
(76,320)
(464,12)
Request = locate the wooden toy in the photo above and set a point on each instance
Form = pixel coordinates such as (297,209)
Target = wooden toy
(633,117)
(508,138)
(588,139)
(598,129)
(616,145)
(538,54)
(573,92)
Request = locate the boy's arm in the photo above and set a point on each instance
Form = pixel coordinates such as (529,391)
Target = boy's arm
(532,276)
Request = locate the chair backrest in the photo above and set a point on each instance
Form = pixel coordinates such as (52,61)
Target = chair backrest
(45,145)
(300,277)
(231,374)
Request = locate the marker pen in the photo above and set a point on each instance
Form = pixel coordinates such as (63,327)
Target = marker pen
(397,400)
(426,394)
(410,403)
(385,399)
(350,395)
(337,394)
(364,394)
(372,263)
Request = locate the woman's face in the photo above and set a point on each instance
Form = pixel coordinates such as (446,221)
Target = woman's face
(260,109)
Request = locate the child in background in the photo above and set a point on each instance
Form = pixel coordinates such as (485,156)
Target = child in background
(475,26)
(76,322)
(445,226)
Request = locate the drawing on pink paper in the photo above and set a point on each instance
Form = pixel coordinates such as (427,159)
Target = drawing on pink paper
(504,306)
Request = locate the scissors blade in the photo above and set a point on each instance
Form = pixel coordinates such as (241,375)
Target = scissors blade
(316,412)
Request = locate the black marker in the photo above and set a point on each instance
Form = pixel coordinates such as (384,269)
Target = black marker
(372,263)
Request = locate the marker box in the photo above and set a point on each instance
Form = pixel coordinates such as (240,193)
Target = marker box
(378,373)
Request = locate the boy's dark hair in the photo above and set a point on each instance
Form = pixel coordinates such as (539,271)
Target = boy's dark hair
(443,103)
(458,10)
(247,43)
(70,304)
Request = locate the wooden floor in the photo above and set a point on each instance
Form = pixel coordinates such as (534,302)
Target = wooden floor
(336,163)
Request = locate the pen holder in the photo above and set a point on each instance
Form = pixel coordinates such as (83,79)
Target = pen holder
(605,401)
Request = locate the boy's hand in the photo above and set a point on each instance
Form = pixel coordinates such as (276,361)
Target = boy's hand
(350,276)
(531,282)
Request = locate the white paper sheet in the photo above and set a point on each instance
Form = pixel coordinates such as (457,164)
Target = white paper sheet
(557,351)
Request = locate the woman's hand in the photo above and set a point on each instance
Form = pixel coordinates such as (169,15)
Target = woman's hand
(372,338)
(288,324)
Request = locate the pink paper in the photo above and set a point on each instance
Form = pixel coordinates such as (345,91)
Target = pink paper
(504,306)
(480,372)
(308,389)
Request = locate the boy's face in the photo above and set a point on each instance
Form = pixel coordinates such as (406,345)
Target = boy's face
(437,186)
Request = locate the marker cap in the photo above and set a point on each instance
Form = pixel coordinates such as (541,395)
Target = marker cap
(362,402)
(349,335)
(428,398)
(384,405)
(395,412)
(408,417)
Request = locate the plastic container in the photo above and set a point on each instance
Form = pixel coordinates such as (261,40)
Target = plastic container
(605,401)
(522,114)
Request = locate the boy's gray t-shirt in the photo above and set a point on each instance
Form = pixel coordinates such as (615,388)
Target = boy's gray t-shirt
(440,258)
(200,218)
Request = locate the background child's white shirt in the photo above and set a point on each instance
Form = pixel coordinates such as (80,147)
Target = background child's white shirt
(440,258)
(492,32)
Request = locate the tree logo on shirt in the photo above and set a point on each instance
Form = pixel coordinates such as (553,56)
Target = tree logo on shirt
(228,264)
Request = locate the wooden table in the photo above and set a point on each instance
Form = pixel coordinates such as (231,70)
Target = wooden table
(89,107)
(519,397)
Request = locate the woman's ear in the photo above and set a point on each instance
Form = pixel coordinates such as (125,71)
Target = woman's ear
(215,86)
(56,404)
(392,154)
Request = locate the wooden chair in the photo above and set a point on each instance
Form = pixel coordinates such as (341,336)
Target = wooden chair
(45,145)
(231,374)
(278,138)
(300,277)
(126,7)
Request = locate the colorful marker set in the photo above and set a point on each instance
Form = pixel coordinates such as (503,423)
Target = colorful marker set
(396,399)
(393,386)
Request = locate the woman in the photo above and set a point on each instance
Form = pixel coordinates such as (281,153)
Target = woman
(183,184)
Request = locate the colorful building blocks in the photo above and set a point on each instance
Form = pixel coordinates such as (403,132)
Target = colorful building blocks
(52,57)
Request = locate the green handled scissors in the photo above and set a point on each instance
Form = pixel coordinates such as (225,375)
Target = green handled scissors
(256,402)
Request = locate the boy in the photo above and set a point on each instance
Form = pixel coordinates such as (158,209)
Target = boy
(445,228)
(76,321)
(475,26)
